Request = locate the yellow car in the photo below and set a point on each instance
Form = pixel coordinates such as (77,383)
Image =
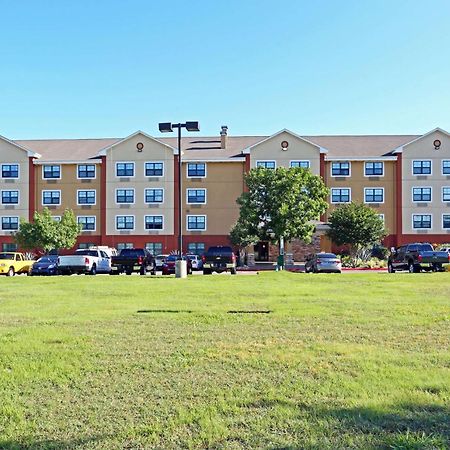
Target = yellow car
(12,263)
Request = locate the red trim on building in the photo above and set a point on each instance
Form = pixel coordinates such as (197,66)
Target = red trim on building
(31,189)
(322,174)
(246,170)
(398,200)
(103,186)
(175,200)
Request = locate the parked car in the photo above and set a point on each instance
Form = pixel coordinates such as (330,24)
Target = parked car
(45,265)
(168,267)
(444,248)
(85,261)
(159,261)
(131,260)
(13,262)
(196,261)
(219,259)
(416,257)
(323,262)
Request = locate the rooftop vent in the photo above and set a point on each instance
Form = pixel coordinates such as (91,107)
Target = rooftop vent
(223,136)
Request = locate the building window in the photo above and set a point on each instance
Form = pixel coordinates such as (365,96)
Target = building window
(445,167)
(51,172)
(421,221)
(154,169)
(86,171)
(85,245)
(374,195)
(154,195)
(86,197)
(10,170)
(9,247)
(421,194)
(196,248)
(87,223)
(340,169)
(340,195)
(10,197)
(125,222)
(51,197)
(266,164)
(196,170)
(446,221)
(446,194)
(125,169)
(124,245)
(124,195)
(10,223)
(196,223)
(155,248)
(422,167)
(373,169)
(195,196)
(56,218)
(302,164)
(153,222)
(381,216)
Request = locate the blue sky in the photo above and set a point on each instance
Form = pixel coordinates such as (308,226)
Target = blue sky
(108,68)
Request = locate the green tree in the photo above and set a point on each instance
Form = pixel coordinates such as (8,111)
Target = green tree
(47,234)
(239,236)
(280,203)
(358,226)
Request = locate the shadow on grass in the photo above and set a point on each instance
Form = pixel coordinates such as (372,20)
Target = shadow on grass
(404,426)
(170,311)
(262,311)
(50,444)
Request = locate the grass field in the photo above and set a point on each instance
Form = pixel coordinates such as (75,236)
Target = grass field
(329,361)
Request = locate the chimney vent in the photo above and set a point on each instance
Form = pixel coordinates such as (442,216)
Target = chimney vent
(223,136)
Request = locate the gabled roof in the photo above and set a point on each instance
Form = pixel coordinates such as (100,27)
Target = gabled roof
(418,138)
(30,153)
(285,130)
(103,151)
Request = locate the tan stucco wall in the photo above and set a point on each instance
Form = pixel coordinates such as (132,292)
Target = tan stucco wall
(9,153)
(127,152)
(423,149)
(69,186)
(357,182)
(224,183)
(298,149)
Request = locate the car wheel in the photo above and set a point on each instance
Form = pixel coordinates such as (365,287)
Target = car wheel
(93,270)
(128,273)
(391,268)
(143,271)
(412,268)
(233,271)
(10,272)
(206,271)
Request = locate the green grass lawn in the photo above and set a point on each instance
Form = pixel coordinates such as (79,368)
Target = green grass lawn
(341,361)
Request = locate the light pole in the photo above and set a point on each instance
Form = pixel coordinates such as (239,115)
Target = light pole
(167,127)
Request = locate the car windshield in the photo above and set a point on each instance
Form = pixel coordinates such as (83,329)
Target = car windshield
(87,252)
(191,257)
(172,258)
(6,255)
(47,259)
(327,255)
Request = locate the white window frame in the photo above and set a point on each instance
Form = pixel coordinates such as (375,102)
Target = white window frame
(196,176)
(154,188)
(90,217)
(442,167)
(300,161)
(373,162)
(10,217)
(125,176)
(125,215)
(196,215)
(125,189)
(340,162)
(87,178)
(87,190)
(10,164)
(196,203)
(442,194)
(442,221)
(421,187)
(421,174)
(196,243)
(55,165)
(50,204)
(155,229)
(422,214)
(10,190)
(154,162)
(56,218)
(147,247)
(266,161)
(371,203)
(341,203)
(382,217)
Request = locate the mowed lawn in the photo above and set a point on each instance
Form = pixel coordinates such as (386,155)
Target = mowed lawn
(275,360)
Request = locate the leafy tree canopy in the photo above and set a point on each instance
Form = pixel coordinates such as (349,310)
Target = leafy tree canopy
(47,234)
(279,203)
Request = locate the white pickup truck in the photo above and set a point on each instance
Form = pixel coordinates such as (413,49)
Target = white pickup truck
(88,261)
